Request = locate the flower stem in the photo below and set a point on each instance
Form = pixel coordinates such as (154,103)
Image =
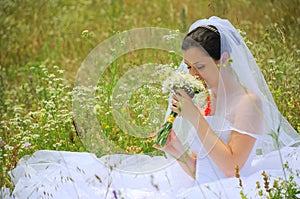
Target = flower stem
(163,133)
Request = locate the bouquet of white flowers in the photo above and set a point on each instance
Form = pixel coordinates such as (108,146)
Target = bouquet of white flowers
(193,87)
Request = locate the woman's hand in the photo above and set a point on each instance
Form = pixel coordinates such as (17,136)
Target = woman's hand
(183,105)
(173,147)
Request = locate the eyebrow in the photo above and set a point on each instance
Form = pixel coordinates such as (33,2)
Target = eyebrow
(188,63)
(198,62)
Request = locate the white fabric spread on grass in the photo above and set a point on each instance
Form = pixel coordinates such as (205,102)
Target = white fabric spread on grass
(60,174)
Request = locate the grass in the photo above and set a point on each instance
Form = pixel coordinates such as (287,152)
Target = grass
(44,42)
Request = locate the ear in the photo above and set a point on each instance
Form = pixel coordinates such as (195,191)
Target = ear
(224,57)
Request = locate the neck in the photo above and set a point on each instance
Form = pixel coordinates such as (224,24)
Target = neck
(213,91)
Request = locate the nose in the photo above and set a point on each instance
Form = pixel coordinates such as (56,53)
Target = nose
(196,74)
(193,71)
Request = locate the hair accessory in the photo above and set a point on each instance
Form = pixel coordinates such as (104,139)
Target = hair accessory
(209,28)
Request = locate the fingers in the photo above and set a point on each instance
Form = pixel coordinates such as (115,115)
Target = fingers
(181,94)
(174,96)
(156,146)
(175,109)
(175,102)
(171,137)
(153,135)
(172,134)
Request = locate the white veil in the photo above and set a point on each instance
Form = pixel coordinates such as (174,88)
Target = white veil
(238,78)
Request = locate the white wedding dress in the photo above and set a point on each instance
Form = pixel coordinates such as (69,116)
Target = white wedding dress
(61,174)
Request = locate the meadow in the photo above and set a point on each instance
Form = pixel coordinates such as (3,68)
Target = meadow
(43,44)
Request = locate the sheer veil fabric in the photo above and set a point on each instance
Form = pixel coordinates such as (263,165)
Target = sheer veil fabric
(240,78)
(59,174)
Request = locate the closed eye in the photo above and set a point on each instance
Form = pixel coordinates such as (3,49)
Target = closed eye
(200,67)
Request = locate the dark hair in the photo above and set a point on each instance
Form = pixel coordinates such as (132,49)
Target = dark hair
(206,38)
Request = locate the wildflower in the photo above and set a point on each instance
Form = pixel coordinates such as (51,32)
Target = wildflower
(115,194)
(2,143)
(260,192)
(237,169)
(8,147)
(271,61)
(69,118)
(84,33)
(96,109)
(134,149)
(60,71)
(237,175)
(51,75)
(266,181)
(275,184)
(182,80)
(257,185)
(140,116)
(27,144)
(170,36)
(42,111)
(107,126)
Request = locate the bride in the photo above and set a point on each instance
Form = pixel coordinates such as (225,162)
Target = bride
(242,135)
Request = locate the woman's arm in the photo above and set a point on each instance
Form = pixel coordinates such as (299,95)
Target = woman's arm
(226,156)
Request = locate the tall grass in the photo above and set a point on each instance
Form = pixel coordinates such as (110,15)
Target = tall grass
(44,42)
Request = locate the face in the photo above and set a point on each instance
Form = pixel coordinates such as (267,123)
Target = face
(202,66)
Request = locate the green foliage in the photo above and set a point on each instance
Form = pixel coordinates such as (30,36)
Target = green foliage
(35,115)
(281,188)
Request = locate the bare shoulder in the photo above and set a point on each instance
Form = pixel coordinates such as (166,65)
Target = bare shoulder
(249,114)
(250,100)
(250,96)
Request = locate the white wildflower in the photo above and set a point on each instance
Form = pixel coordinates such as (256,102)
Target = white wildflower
(60,71)
(182,80)
(51,76)
(187,82)
(200,99)
(97,109)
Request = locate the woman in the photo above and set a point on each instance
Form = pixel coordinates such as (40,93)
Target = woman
(244,122)
(203,53)
(243,114)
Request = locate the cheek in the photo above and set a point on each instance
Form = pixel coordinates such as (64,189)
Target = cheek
(210,75)
(214,76)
